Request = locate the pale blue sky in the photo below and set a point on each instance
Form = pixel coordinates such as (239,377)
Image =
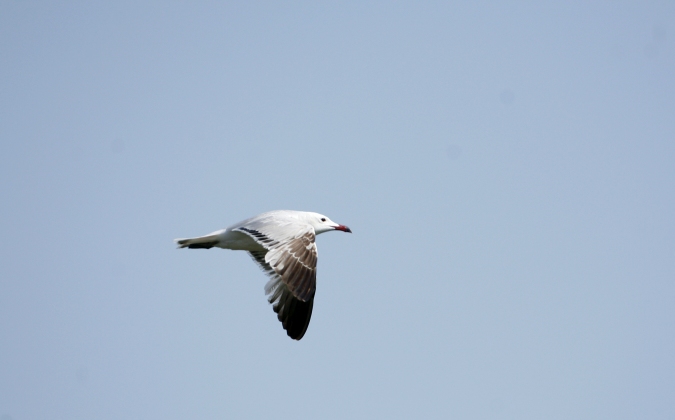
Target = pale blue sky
(507,170)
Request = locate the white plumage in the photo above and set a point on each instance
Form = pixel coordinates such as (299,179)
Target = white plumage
(282,243)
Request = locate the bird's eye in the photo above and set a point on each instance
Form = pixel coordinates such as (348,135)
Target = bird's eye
(323,219)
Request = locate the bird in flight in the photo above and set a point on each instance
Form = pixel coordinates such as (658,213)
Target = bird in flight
(282,243)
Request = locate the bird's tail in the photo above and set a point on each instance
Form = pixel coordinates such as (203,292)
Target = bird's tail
(206,242)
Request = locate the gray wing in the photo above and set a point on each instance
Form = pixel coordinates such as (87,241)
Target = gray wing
(293,313)
(290,262)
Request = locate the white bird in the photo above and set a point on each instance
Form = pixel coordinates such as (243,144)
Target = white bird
(281,242)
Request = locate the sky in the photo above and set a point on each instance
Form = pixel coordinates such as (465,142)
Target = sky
(507,170)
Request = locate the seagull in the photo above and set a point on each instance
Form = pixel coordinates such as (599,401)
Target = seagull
(281,242)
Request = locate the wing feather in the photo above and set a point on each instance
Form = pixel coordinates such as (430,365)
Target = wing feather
(292,258)
(293,313)
(290,262)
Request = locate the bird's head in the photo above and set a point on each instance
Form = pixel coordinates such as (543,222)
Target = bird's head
(323,224)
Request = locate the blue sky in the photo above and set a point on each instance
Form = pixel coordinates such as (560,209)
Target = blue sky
(507,171)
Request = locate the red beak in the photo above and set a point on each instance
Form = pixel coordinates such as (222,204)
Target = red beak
(343,228)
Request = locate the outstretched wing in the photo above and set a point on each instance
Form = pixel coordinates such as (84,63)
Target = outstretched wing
(290,262)
(293,313)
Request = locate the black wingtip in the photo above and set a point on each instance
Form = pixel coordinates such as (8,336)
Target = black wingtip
(204,245)
(295,315)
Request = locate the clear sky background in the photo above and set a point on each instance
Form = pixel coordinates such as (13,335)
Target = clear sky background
(508,171)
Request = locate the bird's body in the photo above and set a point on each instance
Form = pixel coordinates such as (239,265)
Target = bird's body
(282,243)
